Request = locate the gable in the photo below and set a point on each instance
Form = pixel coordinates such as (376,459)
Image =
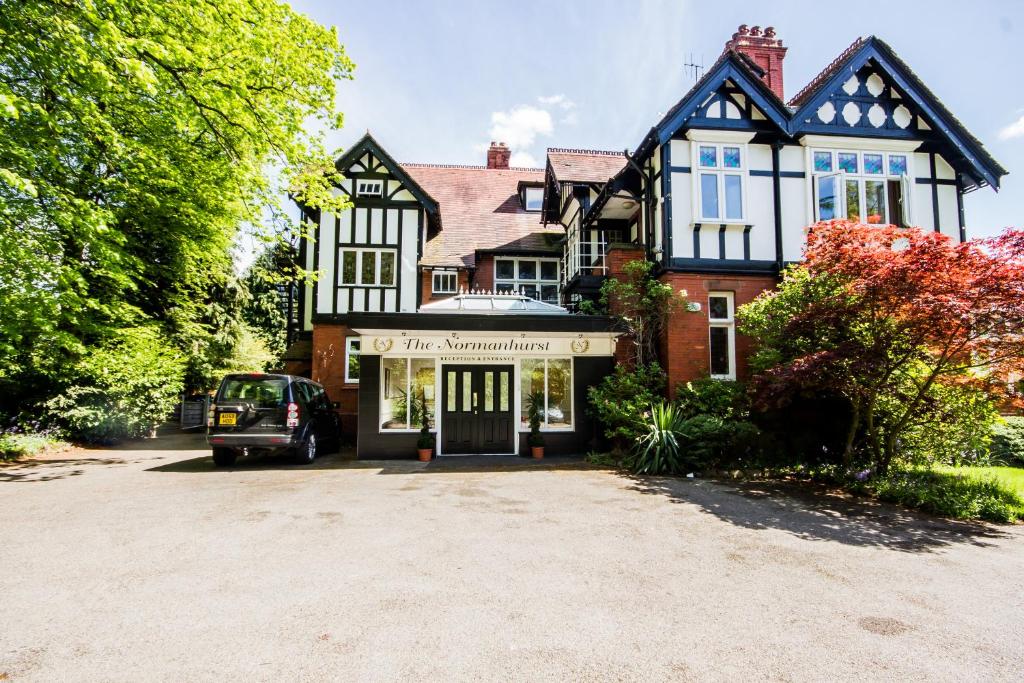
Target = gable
(869,91)
(367,161)
(729,95)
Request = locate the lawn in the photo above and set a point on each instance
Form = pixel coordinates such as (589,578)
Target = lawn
(1012,477)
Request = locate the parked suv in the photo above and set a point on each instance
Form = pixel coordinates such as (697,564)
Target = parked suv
(257,413)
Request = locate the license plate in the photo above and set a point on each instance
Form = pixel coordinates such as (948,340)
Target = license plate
(228,418)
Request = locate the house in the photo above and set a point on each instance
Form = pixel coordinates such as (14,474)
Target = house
(459,286)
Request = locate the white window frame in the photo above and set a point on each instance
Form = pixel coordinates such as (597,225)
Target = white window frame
(441,275)
(526,198)
(408,390)
(525,427)
(728,323)
(906,187)
(537,282)
(370,187)
(719,171)
(348,355)
(359,270)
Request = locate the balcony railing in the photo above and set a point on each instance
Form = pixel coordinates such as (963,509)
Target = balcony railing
(584,258)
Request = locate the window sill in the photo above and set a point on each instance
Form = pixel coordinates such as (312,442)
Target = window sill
(719,221)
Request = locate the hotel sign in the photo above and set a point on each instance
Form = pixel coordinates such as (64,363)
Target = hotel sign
(515,344)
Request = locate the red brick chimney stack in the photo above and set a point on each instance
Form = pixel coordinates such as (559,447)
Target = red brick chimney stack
(498,155)
(765,49)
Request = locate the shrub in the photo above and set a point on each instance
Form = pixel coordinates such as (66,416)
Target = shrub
(1007,444)
(534,411)
(950,495)
(721,398)
(120,389)
(16,444)
(714,443)
(620,402)
(660,449)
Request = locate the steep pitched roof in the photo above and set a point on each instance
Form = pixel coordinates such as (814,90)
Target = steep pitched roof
(986,169)
(481,210)
(584,165)
(368,144)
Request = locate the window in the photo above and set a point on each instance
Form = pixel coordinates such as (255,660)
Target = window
(406,384)
(551,377)
(535,278)
(721,181)
(352,359)
(867,187)
(722,335)
(533,198)
(369,188)
(368,267)
(444,282)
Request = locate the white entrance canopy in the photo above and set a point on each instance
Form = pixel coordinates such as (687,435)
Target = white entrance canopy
(495,304)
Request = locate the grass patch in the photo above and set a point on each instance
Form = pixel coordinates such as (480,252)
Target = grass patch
(961,493)
(21,445)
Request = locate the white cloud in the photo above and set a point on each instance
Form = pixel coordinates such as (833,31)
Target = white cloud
(570,119)
(523,160)
(1014,130)
(520,126)
(560,101)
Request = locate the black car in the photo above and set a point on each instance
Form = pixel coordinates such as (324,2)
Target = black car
(257,413)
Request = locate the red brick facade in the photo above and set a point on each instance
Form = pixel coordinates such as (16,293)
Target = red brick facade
(427,285)
(684,344)
(483,277)
(765,49)
(685,355)
(329,370)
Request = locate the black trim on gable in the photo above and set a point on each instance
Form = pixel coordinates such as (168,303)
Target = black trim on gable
(368,144)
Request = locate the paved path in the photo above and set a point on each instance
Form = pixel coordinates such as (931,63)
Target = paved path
(148,564)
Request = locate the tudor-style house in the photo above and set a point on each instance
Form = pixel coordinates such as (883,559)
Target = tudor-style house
(457,287)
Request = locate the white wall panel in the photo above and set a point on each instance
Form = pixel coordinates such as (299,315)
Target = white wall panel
(392,228)
(374,300)
(376,226)
(390,297)
(410,242)
(682,211)
(361,227)
(325,282)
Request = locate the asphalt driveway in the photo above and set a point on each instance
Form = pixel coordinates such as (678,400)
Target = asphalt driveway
(147,564)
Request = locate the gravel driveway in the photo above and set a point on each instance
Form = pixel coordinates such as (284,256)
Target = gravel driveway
(148,564)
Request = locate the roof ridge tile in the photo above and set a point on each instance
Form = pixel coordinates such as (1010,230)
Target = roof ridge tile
(569,150)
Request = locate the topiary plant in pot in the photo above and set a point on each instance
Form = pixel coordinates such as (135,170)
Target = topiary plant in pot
(534,410)
(424,444)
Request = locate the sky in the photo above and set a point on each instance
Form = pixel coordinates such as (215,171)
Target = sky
(436,80)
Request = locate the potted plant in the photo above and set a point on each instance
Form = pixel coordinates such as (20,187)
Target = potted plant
(424,444)
(534,410)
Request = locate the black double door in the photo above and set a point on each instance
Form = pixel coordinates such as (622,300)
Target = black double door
(477,410)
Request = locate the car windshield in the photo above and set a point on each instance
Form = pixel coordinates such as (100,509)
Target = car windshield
(261,392)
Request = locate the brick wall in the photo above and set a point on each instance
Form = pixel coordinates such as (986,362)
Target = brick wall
(427,289)
(684,344)
(617,257)
(329,370)
(483,277)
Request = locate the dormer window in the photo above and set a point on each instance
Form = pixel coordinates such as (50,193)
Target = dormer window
(533,198)
(370,188)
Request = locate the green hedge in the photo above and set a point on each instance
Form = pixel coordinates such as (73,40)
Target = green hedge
(950,495)
(1007,444)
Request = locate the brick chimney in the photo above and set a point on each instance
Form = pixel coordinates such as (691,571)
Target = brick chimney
(498,155)
(765,49)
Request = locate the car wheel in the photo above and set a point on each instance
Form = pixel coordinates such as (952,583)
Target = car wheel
(307,451)
(223,457)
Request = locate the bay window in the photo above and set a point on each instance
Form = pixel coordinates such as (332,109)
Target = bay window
(866,187)
(721,181)
(722,335)
(552,378)
(405,385)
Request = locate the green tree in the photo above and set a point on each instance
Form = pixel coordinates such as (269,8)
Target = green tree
(136,137)
(264,312)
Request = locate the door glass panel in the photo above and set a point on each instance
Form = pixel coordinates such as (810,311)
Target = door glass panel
(452,401)
(853,200)
(489,392)
(467,391)
(559,393)
(503,387)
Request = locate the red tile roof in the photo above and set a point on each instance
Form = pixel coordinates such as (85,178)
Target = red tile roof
(480,209)
(585,165)
(811,88)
